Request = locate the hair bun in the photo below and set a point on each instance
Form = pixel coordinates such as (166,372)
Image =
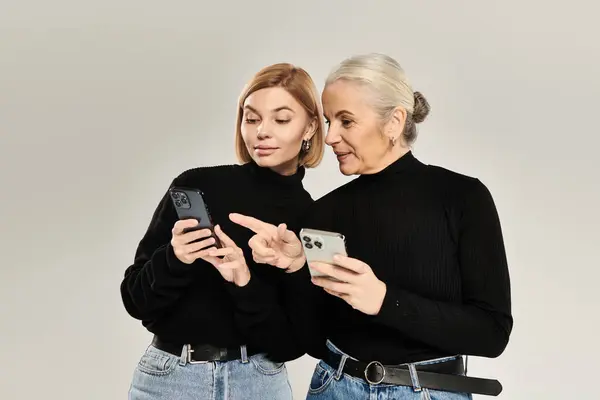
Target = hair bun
(421,109)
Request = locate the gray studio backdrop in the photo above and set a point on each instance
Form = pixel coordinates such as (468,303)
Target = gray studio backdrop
(102,103)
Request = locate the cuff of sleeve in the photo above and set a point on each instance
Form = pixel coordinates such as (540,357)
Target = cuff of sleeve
(175,265)
(253,297)
(248,291)
(394,308)
(301,275)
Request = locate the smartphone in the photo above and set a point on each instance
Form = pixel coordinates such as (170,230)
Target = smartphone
(189,204)
(321,246)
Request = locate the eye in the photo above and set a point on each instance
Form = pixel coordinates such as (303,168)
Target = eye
(327,122)
(346,123)
(282,121)
(250,120)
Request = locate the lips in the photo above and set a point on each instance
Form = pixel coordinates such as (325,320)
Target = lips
(264,150)
(341,156)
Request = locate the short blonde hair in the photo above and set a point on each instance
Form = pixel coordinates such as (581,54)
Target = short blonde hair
(298,83)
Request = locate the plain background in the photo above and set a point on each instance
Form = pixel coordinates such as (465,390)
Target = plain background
(102,103)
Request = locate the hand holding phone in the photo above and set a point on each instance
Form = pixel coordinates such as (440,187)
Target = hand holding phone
(189,204)
(355,282)
(321,246)
(195,229)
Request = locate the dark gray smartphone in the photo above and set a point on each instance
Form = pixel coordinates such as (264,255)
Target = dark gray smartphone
(189,204)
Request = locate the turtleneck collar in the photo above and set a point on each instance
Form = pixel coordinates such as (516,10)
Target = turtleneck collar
(267,175)
(404,163)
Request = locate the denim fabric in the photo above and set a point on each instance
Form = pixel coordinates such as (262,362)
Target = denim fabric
(330,384)
(160,376)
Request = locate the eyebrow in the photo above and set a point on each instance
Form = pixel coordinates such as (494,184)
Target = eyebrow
(337,114)
(275,110)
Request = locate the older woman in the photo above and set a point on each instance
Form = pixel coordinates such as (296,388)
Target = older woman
(425,279)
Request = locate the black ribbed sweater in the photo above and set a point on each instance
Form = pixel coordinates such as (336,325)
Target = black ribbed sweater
(434,237)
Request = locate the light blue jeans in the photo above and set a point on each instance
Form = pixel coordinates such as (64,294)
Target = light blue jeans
(330,384)
(162,376)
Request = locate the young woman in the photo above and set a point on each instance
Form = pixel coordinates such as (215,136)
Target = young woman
(426,277)
(198,300)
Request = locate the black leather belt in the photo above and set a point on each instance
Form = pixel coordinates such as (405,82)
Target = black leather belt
(202,353)
(443,376)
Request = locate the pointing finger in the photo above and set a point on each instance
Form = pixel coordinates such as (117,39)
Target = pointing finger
(255,225)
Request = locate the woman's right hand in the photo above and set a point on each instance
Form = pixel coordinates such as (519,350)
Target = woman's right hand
(186,251)
(274,245)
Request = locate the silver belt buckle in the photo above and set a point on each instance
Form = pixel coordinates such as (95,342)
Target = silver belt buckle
(189,356)
(377,363)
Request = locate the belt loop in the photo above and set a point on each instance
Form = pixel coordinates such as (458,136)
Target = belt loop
(244,353)
(340,369)
(184,354)
(414,377)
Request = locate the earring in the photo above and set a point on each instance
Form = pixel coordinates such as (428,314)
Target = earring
(393,141)
(305,145)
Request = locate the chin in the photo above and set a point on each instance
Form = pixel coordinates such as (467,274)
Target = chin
(348,169)
(265,161)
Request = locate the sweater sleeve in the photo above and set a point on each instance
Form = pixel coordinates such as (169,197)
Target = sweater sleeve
(281,313)
(156,279)
(268,313)
(306,303)
(481,324)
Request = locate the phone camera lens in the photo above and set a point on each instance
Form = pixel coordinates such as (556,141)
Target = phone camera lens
(184,200)
(308,245)
(178,203)
(318,244)
(306,239)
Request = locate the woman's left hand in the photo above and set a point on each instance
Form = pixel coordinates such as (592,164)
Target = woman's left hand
(359,286)
(232,265)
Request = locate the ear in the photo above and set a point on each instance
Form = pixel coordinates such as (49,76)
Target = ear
(395,125)
(311,129)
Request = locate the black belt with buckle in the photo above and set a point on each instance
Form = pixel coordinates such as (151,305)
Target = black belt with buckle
(443,376)
(202,353)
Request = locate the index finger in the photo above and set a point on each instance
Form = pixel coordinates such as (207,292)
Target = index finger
(351,264)
(334,271)
(183,224)
(255,225)
(226,240)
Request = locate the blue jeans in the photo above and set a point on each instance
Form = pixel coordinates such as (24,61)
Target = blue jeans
(161,375)
(330,384)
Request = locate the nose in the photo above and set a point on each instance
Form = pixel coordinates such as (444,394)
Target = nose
(333,136)
(262,131)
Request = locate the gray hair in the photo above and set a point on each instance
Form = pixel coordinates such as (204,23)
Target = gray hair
(388,85)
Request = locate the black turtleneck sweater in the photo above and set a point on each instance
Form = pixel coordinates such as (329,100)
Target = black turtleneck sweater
(184,303)
(434,237)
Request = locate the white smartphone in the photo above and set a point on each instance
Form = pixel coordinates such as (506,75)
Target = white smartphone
(321,246)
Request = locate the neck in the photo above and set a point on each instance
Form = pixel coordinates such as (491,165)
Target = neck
(286,169)
(389,158)
(289,176)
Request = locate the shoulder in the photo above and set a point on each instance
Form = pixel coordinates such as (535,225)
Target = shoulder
(334,195)
(206,174)
(445,176)
(464,189)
